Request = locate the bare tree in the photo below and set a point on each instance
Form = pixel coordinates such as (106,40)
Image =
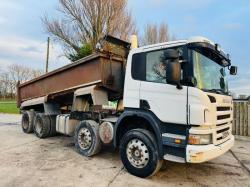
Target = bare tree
(5,84)
(163,33)
(154,33)
(18,73)
(86,21)
(150,35)
(34,73)
(122,25)
(10,77)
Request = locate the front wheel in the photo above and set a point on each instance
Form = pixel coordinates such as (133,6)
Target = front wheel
(139,153)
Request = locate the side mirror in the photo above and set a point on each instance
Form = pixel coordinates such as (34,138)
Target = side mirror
(173,73)
(233,70)
(171,55)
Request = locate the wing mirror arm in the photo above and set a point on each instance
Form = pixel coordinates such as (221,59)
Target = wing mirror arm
(179,86)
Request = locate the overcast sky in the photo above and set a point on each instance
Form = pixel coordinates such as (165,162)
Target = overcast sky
(227,22)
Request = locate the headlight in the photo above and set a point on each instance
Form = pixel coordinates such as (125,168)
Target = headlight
(201,139)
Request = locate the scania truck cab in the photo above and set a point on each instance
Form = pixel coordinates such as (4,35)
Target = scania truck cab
(182,88)
(175,106)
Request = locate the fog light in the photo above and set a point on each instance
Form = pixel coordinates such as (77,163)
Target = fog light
(177,141)
(201,139)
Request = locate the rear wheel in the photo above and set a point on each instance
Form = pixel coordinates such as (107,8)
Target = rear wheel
(41,125)
(52,123)
(139,153)
(87,140)
(27,121)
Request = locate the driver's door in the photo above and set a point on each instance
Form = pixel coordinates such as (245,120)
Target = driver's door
(167,102)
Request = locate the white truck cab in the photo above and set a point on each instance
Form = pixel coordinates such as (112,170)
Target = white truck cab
(189,100)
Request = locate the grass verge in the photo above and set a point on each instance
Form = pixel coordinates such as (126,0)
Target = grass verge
(8,107)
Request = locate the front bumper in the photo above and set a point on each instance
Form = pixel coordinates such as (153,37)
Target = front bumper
(203,153)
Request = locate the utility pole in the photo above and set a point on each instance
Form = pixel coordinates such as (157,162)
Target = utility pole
(47,59)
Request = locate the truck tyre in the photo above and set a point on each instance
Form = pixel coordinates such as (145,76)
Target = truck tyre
(52,119)
(27,121)
(139,153)
(87,140)
(42,125)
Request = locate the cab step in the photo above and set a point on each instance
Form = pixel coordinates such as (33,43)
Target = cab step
(174,158)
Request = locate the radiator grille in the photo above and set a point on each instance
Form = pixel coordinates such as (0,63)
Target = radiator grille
(224,124)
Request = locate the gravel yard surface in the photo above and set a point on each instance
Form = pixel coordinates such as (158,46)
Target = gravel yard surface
(26,160)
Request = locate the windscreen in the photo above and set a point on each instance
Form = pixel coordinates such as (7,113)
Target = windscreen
(210,75)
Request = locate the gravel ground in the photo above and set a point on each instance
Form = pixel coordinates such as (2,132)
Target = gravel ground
(28,161)
(10,119)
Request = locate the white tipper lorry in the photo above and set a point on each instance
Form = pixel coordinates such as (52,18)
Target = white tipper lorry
(168,101)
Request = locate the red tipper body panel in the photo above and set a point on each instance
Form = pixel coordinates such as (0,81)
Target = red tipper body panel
(105,68)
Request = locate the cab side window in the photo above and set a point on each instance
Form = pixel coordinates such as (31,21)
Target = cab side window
(155,67)
(151,66)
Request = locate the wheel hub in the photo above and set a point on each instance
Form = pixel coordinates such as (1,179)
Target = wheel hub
(38,126)
(84,138)
(137,153)
(25,123)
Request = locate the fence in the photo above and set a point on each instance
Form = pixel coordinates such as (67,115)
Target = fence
(241,121)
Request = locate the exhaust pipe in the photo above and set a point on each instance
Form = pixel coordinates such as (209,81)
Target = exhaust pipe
(134,42)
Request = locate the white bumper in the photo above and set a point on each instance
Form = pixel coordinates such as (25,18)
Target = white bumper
(203,153)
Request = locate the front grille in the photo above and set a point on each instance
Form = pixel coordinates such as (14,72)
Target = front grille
(223,117)
(221,124)
(220,138)
(224,114)
(224,123)
(223,108)
(223,130)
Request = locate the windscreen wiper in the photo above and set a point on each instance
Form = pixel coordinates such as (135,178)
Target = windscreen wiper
(218,91)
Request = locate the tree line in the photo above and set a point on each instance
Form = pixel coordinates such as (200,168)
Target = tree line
(11,76)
